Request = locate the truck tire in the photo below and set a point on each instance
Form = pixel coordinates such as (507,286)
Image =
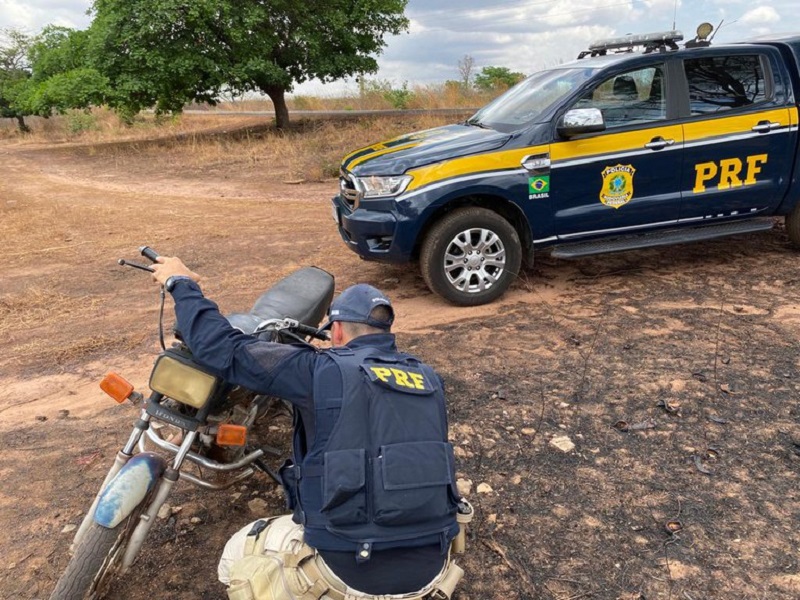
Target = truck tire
(95,561)
(792,223)
(471,256)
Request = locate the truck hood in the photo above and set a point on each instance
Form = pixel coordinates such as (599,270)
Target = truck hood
(395,157)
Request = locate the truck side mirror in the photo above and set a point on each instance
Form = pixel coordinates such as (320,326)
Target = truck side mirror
(581,120)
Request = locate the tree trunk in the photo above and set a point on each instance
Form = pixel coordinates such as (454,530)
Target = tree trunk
(23,127)
(276,94)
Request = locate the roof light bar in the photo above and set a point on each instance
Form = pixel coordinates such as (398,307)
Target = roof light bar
(664,38)
(651,41)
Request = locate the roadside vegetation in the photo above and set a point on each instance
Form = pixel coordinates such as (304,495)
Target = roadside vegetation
(311,150)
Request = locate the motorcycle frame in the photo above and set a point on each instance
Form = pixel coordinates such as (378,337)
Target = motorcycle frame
(142,432)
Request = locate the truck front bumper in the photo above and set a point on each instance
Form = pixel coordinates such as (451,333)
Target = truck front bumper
(378,233)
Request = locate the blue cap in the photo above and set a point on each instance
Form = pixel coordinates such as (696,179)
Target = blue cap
(355,304)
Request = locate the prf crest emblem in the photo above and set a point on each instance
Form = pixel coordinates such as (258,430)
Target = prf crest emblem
(617,185)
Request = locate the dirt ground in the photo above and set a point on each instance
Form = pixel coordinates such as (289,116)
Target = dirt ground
(673,372)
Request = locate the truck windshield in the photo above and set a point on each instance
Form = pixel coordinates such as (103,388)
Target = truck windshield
(526,102)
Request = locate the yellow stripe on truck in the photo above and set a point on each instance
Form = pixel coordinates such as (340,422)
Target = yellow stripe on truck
(377,152)
(613,143)
(719,127)
(469,165)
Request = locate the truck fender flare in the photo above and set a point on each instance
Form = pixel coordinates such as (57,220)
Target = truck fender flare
(128,488)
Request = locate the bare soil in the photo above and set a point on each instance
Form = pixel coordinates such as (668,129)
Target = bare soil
(674,372)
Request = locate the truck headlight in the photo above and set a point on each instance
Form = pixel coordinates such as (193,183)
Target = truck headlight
(382,187)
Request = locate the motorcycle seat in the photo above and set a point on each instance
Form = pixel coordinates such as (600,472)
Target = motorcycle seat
(304,295)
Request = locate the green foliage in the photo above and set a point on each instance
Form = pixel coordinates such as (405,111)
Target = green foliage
(497,78)
(165,53)
(157,53)
(56,76)
(79,121)
(79,88)
(14,74)
(57,50)
(399,98)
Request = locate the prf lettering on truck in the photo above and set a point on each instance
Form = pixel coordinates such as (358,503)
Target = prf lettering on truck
(727,172)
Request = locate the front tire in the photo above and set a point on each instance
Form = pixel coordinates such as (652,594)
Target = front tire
(471,256)
(95,561)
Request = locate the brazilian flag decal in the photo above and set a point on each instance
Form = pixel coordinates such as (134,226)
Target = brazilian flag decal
(539,185)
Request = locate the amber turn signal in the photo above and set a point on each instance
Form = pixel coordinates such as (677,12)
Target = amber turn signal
(117,387)
(231,435)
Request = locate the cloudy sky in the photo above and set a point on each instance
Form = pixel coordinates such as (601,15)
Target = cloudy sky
(524,35)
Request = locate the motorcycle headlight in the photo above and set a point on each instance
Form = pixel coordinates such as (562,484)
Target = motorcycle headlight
(181,381)
(382,187)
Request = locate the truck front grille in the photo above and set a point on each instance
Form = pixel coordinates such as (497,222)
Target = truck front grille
(348,189)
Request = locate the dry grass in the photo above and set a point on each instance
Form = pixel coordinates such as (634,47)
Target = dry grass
(22,315)
(311,151)
(103,125)
(74,352)
(374,98)
(38,307)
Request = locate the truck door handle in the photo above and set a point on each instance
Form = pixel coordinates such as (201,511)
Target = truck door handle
(766,126)
(659,143)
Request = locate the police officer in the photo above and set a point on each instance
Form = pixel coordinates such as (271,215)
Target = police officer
(371,485)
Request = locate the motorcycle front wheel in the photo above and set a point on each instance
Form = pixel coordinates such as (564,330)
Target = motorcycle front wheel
(95,561)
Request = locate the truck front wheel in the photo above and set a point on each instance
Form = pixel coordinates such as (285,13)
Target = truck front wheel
(792,223)
(471,256)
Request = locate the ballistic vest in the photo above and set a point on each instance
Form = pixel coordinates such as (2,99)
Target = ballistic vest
(380,473)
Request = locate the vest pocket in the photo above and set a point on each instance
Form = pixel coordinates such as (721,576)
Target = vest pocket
(344,499)
(411,483)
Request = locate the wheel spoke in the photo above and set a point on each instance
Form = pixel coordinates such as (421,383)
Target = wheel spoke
(488,239)
(461,241)
(461,282)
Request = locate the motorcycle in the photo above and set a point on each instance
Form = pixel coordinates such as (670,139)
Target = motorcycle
(212,419)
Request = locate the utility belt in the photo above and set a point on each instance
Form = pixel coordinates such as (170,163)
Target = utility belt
(285,568)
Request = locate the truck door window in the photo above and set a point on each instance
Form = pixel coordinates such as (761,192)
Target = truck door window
(630,98)
(724,83)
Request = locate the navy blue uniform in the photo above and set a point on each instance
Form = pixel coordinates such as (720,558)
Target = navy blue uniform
(288,371)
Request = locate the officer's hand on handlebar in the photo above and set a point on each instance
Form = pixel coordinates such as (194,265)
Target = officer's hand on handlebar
(167,266)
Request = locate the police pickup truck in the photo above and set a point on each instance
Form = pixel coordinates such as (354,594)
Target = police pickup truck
(640,142)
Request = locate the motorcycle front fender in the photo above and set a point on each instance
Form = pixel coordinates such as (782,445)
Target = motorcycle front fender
(128,488)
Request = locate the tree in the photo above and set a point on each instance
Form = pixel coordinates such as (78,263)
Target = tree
(14,74)
(62,75)
(165,53)
(466,67)
(497,78)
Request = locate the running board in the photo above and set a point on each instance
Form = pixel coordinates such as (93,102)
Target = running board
(661,238)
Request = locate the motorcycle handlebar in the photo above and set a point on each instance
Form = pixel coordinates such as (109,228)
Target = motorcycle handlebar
(312,331)
(149,253)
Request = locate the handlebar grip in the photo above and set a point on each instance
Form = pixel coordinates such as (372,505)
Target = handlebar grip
(149,253)
(312,331)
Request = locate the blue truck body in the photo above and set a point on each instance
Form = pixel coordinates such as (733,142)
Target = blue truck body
(708,137)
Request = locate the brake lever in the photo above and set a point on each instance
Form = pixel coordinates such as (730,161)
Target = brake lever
(124,263)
